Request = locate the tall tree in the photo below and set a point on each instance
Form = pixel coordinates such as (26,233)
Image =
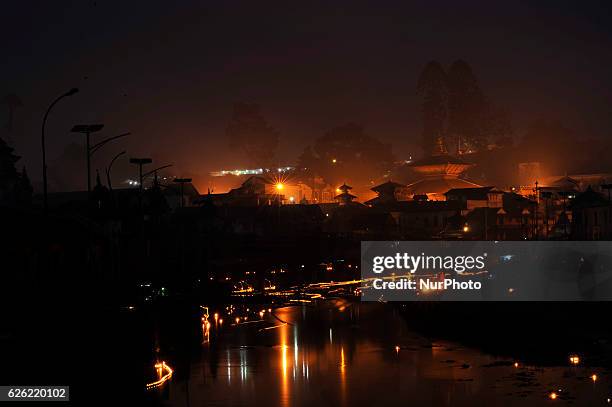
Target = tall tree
(347,153)
(23,189)
(432,87)
(307,164)
(499,127)
(467,108)
(12,183)
(12,102)
(249,132)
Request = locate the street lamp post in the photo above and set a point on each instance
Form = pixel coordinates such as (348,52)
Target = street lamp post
(108,171)
(182,181)
(87,129)
(97,146)
(91,150)
(155,172)
(44,152)
(140,162)
(547,195)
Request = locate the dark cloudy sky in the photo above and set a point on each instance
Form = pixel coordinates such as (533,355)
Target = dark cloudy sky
(169,72)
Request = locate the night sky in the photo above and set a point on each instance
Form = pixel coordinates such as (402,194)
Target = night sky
(169,73)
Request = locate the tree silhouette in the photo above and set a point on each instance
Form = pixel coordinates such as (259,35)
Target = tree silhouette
(499,127)
(12,102)
(347,153)
(467,108)
(249,132)
(24,189)
(432,88)
(15,188)
(307,163)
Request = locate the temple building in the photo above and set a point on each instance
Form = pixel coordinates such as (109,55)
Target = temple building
(344,198)
(260,190)
(471,198)
(441,172)
(389,192)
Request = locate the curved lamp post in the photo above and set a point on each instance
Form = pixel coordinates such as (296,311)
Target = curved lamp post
(91,150)
(97,146)
(140,162)
(155,172)
(44,153)
(108,170)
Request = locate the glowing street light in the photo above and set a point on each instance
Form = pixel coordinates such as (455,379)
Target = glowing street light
(279,186)
(466,228)
(334,161)
(154,172)
(140,162)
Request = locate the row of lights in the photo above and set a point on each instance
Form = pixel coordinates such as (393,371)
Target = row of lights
(160,368)
(573,359)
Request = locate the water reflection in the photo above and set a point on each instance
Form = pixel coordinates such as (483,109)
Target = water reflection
(283,360)
(339,353)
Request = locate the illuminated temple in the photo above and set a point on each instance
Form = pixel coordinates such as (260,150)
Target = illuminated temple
(440,173)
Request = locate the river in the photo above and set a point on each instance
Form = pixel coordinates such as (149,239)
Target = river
(345,353)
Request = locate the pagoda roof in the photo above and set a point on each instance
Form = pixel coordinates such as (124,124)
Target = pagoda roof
(387,186)
(441,164)
(567,183)
(439,185)
(439,159)
(344,187)
(257,179)
(345,195)
(478,193)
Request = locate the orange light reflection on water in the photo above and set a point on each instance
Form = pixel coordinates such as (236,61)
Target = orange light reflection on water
(285,385)
(160,368)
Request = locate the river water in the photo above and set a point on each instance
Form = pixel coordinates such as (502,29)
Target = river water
(342,353)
